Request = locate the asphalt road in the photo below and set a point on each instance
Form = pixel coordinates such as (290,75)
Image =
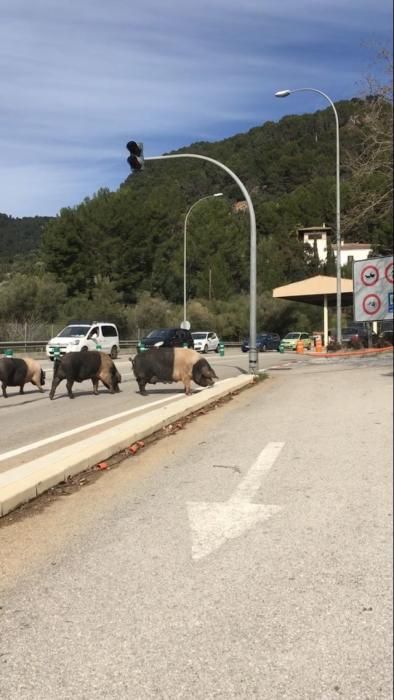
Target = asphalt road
(30,418)
(247,556)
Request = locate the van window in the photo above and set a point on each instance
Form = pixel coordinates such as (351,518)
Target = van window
(109,331)
(74,332)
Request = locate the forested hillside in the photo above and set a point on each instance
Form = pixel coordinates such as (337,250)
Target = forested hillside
(121,247)
(135,236)
(19,236)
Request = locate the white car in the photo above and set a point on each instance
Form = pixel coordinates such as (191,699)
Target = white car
(206,341)
(85,335)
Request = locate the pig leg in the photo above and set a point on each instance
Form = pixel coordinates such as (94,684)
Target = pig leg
(21,391)
(55,383)
(4,390)
(95,386)
(37,383)
(187,383)
(141,386)
(69,385)
(108,386)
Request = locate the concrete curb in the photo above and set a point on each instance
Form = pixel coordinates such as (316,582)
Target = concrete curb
(28,481)
(349,353)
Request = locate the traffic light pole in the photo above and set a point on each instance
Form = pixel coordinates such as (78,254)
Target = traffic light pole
(253,356)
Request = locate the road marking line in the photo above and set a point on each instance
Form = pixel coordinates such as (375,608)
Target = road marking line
(214,523)
(249,486)
(81,428)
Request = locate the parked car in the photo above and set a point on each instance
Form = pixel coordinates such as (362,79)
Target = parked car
(85,335)
(264,341)
(289,342)
(205,341)
(167,338)
(387,337)
(356,333)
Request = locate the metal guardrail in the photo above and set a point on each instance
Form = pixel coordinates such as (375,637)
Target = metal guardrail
(40,345)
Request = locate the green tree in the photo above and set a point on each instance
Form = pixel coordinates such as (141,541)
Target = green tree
(102,303)
(370,161)
(330,265)
(31,298)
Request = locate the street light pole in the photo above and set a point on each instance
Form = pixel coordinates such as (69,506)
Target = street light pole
(253,354)
(208,196)
(286,93)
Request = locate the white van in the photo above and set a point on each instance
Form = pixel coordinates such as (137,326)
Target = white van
(85,335)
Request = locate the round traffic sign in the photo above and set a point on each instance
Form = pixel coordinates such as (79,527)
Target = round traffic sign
(371,304)
(369,275)
(389,273)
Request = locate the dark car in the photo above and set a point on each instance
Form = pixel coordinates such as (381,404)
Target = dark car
(387,337)
(356,334)
(264,342)
(167,338)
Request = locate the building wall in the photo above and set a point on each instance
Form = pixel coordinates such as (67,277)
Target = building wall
(359,252)
(355,254)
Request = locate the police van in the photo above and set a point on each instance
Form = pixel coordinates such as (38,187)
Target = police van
(79,336)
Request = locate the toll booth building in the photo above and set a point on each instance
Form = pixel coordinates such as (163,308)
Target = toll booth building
(350,252)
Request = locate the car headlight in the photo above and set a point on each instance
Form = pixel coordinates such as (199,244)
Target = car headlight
(159,344)
(76,341)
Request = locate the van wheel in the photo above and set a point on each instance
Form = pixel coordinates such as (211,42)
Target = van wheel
(114,352)
(84,349)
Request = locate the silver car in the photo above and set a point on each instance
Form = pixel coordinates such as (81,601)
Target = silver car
(206,341)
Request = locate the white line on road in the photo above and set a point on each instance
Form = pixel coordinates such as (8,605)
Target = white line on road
(82,428)
(214,523)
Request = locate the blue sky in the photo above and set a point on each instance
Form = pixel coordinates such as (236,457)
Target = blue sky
(80,78)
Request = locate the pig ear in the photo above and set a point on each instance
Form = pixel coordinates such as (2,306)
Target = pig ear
(207,371)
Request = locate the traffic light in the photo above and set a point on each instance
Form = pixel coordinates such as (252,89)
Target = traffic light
(136,157)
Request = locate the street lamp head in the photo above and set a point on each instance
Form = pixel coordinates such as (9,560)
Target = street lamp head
(218,194)
(283,93)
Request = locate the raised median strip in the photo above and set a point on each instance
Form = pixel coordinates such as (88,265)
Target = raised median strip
(350,353)
(28,481)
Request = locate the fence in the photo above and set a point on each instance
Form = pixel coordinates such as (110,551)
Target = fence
(38,346)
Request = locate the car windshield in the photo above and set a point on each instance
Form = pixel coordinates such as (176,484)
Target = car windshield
(260,336)
(158,333)
(73,332)
(199,336)
(291,336)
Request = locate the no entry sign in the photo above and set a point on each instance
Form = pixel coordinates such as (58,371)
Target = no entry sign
(373,289)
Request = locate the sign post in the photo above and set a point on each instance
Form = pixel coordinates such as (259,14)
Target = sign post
(373,289)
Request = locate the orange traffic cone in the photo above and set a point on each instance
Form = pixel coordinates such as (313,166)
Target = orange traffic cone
(300,346)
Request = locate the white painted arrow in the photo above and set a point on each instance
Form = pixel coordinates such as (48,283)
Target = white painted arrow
(214,523)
